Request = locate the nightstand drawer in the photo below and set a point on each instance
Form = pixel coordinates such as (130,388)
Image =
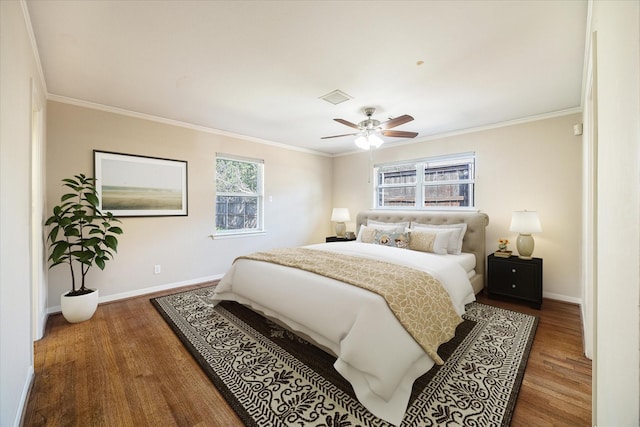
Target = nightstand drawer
(330,239)
(516,278)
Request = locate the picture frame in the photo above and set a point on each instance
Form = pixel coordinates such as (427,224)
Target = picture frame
(130,185)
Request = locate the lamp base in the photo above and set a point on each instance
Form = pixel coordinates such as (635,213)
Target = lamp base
(341,229)
(525,245)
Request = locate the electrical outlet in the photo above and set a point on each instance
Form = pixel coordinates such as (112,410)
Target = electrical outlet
(156,269)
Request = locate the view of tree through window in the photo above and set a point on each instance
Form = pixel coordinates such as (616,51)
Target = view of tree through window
(238,195)
(422,184)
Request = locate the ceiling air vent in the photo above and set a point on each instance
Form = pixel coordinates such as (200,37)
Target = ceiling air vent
(336,97)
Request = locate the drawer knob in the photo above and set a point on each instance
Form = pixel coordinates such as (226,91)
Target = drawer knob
(513,270)
(513,286)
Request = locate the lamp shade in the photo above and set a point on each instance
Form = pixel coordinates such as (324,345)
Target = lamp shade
(361,142)
(340,215)
(525,222)
(374,140)
(369,140)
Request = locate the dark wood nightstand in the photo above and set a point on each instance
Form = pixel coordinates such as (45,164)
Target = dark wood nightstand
(339,239)
(515,278)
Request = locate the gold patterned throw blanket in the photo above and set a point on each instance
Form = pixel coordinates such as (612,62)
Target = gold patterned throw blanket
(417,299)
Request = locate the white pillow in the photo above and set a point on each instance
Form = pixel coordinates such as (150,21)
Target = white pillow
(366,234)
(397,226)
(429,241)
(455,241)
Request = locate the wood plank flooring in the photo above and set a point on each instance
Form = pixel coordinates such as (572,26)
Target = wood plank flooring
(126,367)
(556,389)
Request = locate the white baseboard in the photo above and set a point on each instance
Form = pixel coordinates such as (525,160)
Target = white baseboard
(564,298)
(150,290)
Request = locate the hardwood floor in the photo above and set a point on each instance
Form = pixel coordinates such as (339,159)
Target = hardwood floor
(556,389)
(125,367)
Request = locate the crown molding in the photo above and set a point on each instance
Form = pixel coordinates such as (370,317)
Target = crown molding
(178,123)
(498,125)
(144,116)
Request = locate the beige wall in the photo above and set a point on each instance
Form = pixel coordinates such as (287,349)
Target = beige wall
(534,165)
(299,184)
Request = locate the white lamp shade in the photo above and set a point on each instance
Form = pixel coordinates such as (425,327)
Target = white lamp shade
(375,140)
(367,141)
(361,142)
(525,222)
(340,215)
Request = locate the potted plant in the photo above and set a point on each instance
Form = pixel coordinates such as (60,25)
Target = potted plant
(81,236)
(502,251)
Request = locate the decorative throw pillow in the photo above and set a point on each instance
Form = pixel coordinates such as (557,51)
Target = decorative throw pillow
(427,241)
(366,234)
(391,238)
(455,240)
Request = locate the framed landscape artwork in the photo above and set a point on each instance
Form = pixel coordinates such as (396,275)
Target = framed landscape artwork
(131,185)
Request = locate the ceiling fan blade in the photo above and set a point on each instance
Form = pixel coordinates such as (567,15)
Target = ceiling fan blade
(399,133)
(338,136)
(347,123)
(396,121)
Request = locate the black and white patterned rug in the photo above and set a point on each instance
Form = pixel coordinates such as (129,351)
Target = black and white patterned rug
(271,377)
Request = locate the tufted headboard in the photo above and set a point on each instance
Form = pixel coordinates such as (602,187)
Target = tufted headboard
(474,238)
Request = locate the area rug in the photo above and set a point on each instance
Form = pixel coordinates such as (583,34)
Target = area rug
(272,377)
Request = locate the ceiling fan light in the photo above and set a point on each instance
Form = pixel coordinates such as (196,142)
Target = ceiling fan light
(370,129)
(374,140)
(362,142)
(368,141)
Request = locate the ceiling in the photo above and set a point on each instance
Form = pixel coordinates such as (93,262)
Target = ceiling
(259,68)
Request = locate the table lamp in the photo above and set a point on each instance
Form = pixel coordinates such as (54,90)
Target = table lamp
(525,223)
(339,216)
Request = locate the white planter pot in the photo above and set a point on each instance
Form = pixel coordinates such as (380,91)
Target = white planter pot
(79,308)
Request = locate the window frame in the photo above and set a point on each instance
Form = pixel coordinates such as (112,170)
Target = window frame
(259,194)
(420,185)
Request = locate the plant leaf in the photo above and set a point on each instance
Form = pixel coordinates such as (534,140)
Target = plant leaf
(116,230)
(94,241)
(111,242)
(71,231)
(53,234)
(100,263)
(92,199)
(59,250)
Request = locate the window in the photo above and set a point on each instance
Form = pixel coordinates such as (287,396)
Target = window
(446,181)
(239,195)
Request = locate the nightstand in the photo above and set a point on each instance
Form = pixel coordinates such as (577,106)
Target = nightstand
(339,239)
(515,278)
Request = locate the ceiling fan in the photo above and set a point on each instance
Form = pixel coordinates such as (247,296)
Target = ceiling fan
(369,129)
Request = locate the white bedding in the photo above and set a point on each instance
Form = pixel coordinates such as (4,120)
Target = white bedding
(374,352)
(466,261)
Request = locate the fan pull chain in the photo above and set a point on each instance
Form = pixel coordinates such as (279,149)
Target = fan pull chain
(370,164)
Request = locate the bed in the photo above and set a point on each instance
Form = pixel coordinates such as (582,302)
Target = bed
(374,351)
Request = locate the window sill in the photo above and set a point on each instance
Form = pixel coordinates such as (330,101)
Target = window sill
(431,208)
(222,236)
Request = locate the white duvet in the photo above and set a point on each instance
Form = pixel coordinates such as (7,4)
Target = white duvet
(374,352)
